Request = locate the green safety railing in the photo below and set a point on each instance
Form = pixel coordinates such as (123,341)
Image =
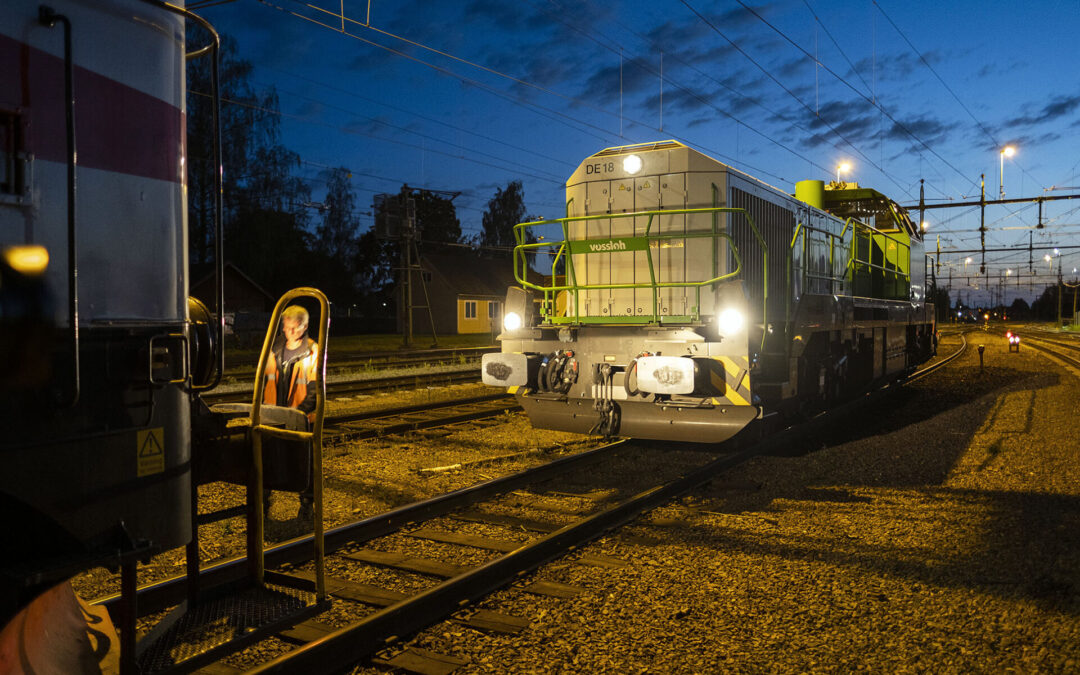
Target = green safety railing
(854,262)
(871,235)
(568,248)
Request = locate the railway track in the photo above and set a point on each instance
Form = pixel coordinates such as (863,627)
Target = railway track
(1062,350)
(940,363)
(354,387)
(375,423)
(369,618)
(514,546)
(340,362)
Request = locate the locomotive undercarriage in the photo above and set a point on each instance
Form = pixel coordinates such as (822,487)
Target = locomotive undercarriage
(104,462)
(584,379)
(581,379)
(842,346)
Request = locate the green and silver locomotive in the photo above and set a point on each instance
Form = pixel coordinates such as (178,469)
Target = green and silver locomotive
(682,299)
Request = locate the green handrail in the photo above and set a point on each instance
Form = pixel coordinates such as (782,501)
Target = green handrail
(644,243)
(885,271)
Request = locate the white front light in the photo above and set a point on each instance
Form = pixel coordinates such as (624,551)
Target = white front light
(631,164)
(512,321)
(730,321)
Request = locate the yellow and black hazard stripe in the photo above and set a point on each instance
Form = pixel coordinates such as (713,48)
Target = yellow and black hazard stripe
(736,385)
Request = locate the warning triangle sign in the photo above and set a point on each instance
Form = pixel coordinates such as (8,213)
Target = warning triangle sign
(151,445)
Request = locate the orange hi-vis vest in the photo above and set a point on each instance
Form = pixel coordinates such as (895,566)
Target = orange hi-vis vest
(305,372)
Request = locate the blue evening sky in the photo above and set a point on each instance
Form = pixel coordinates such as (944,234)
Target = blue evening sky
(467,95)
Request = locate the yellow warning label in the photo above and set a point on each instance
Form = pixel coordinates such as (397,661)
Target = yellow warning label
(151,447)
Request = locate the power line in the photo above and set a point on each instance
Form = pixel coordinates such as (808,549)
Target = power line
(688,91)
(344,130)
(858,93)
(952,93)
(553,177)
(517,80)
(414,114)
(790,93)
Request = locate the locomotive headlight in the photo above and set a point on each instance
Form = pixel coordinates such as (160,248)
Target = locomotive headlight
(730,321)
(631,164)
(512,321)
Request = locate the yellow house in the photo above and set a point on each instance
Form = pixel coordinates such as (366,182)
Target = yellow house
(465,292)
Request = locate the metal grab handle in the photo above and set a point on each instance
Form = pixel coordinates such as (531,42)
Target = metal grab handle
(315,435)
(185,370)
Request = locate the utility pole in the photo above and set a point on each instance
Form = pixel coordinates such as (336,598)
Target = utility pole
(1059,296)
(1074,286)
(408,230)
(982,223)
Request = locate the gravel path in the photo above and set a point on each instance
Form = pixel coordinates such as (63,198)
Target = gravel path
(937,531)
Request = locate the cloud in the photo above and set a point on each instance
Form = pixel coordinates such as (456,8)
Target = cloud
(927,129)
(629,77)
(836,121)
(895,67)
(1060,106)
(507,16)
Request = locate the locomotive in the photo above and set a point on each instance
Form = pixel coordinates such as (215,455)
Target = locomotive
(106,433)
(94,297)
(686,299)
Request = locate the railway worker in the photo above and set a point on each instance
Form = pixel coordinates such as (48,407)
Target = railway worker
(292,374)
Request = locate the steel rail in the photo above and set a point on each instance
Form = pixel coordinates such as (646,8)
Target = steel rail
(347,359)
(420,407)
(1039,344)
(395,382)
(345,647)
(163,594)
(940,364)
(347,435)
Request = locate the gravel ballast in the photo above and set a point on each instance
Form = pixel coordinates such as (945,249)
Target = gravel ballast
(935,530)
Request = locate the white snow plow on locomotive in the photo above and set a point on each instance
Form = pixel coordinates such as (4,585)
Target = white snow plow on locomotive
(682,299)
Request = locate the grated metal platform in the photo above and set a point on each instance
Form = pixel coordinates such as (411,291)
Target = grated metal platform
(219,626)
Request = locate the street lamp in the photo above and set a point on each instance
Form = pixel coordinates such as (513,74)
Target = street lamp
(843,167)
(924,225)
(1007,151)
(1050,260)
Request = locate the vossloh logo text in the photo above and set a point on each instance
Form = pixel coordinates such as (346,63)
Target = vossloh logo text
(613,245)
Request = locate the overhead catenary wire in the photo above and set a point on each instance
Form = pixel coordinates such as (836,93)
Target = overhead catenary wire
(517,80)
(952,93)
(872,101)
(345,130)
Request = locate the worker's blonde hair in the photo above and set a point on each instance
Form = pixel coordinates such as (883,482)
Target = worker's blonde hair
(296,312)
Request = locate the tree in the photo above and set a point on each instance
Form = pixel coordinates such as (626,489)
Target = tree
(504,210)
(1046,305)
(1019,309)
(436,217)
(264,204)
(335,237)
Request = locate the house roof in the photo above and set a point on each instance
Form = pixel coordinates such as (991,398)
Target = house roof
(207,271)
(468,273)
